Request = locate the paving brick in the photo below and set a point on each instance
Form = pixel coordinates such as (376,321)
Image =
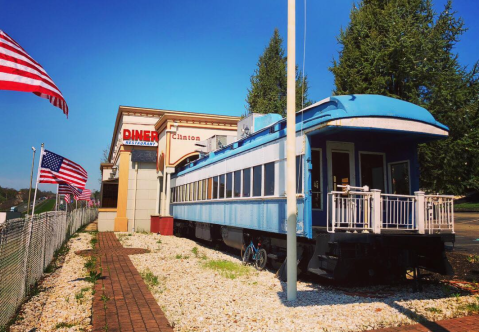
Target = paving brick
(464,324)
(131,306)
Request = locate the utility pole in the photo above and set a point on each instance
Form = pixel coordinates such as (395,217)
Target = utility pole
(31,177)
(291,263)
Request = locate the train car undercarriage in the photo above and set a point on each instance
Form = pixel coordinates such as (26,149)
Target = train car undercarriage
(344,257)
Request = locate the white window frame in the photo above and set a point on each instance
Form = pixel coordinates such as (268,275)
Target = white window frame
(391,178)
(321,177)
(384,168)
(348,147)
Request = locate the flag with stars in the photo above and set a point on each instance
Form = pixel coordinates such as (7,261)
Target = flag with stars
(65,188)
(59,170)
(84,196)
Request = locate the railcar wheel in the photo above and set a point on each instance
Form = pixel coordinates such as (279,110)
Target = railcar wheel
(246,255)
(261,259)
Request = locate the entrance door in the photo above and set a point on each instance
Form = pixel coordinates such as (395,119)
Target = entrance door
(340,165)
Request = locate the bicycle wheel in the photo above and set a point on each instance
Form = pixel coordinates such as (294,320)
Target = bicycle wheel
(247,255)
(261,259)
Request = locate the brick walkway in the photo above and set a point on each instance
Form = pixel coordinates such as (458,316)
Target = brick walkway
(464,324)
(122,301)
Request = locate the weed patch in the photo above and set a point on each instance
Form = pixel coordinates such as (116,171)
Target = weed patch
(227,269)
(63,325)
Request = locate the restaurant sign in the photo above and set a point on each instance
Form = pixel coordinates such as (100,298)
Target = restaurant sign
(140,137)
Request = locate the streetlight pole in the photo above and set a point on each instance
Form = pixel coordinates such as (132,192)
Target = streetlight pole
(291,262)
(31,177)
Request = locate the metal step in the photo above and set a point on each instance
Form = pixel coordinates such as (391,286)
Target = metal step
(322,273)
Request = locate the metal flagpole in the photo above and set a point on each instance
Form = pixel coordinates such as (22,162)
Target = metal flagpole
(31,179)
(38,176)
(56,201)
(291,263)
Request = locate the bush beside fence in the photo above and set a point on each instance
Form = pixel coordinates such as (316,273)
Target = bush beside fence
(27,247)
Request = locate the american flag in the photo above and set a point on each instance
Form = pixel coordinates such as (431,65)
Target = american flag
(19,72)
(57,169)
(84,196)
(67,198)
(65,188)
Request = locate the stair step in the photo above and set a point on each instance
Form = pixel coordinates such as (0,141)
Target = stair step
(321,273)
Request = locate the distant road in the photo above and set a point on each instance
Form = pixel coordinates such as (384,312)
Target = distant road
(467,232)
(23,206)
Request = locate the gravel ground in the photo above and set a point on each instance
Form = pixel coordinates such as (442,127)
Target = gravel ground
(61,305)
(196,298)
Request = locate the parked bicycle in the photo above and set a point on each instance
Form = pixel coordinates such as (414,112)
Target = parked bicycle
(257,254)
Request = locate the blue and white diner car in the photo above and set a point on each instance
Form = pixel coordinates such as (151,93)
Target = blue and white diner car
(360,208)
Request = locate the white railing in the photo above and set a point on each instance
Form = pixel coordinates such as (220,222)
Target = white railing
(439,213)
(370,210)
(349,210)
(398,212)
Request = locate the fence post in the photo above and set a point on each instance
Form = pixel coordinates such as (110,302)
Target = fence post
(419,195)
(376,211)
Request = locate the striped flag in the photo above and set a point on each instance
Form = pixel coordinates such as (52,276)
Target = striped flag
(19,72)
(57,169)
(84,196)
(65,188)
(67,198)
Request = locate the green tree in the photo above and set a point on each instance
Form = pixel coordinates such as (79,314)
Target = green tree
(403,49)
(268,83)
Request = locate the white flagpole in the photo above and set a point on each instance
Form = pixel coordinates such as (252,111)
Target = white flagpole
(38,177)
(56,201)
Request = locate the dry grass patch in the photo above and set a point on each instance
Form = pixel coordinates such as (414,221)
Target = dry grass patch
(227,269)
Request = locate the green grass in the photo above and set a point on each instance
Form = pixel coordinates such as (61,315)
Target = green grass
(467,206)
(473,258)
(180,256)
(150,279)
(47,205)
(434,310)
(63,324)
(227,269)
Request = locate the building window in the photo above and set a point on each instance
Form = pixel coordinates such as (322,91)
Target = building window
(316,179)
(222,186)
(247,182)
(200,190)
(237,185)
(215,187)
(185,193)
(203,195)
(229,185)
(109,195)
(269,179)
(172,195)
(257,180)
(372,170)
(299,174)
(192,192)
(399,174)
(210,188)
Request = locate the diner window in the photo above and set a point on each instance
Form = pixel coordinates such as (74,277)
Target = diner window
(109,195)
(215,187)
(222,186)
(400,178)
(269,179)
(210,188)
(316,179)
(203,195)
(372,170)
(257,180)
(247,182)
(237,184)
(299,174)
(229,185)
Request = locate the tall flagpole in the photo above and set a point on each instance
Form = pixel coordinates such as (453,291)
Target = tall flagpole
(31,179)
(291,262)
(56,201)
(38,177)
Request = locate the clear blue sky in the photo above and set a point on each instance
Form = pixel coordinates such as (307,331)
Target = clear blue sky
(187,55)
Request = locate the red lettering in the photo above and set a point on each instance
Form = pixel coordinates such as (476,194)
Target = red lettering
(197,138)
(172,136)
(133,134)
(154,136)
(126,134)
(139,135)
(146,135)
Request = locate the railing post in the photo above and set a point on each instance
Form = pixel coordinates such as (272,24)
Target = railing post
(376,211)
(420,212)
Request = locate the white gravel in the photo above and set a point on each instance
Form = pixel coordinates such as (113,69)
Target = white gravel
(60,307)
(195,298)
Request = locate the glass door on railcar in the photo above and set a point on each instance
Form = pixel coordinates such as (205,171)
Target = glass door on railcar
(340,165)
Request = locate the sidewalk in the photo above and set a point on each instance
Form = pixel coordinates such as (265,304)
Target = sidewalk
(463,324)
(122,301)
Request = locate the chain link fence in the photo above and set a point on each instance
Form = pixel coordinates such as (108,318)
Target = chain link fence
(27,247)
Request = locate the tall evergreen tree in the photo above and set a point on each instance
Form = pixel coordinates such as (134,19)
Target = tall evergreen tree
(268,83)
(403,49)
